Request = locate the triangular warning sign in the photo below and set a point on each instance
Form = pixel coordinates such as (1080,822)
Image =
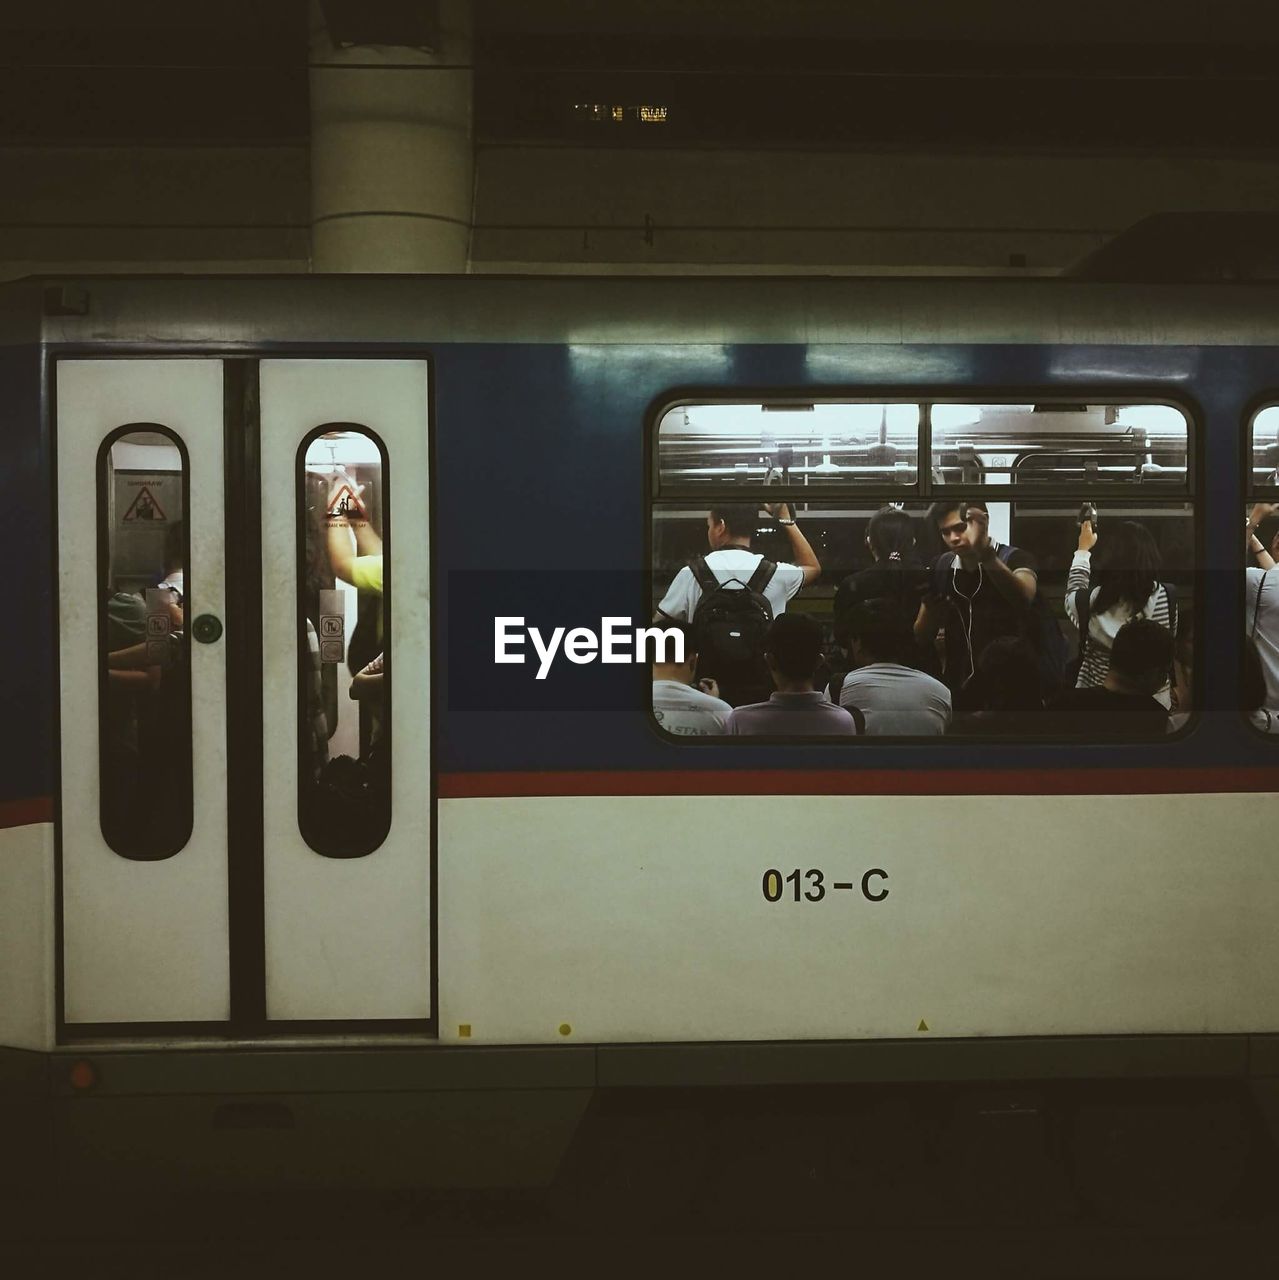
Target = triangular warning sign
(923,1026)
(145,507)
(346,504)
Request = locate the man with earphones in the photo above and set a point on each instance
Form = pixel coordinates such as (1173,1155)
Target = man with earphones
(980,590)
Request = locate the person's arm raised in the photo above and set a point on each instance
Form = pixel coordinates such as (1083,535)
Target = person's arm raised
(1016,585)
(802,554)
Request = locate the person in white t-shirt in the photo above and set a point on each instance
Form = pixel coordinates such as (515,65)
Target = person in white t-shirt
(1261,607)
(729,528)
(683,708)
(895,698)
(732,649)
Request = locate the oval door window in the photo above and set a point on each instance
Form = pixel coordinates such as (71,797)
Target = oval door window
(144,669)
(344,628)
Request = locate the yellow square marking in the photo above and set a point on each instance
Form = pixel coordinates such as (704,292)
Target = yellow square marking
(464,1030)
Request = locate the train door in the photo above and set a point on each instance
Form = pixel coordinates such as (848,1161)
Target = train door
(244,825)
(347,854)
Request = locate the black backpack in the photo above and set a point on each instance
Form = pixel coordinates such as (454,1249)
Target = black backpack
(1040,627)
(730,624)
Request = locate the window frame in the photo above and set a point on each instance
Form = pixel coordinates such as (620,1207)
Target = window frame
(320,846)
(924,490)
(113,437)
(1254,492)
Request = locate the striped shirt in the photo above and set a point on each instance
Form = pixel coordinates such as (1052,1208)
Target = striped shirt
(1104,627)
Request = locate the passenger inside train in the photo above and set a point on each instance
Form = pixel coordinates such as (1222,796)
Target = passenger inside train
(345,800)
(1261,658)
(731,627)
(885,679)
(797,707)
(982,593)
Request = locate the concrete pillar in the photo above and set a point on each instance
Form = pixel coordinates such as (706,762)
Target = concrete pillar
(391,154)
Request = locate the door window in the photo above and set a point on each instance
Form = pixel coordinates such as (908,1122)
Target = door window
(144,667)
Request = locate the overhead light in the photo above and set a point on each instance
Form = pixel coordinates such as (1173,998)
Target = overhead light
(617,113)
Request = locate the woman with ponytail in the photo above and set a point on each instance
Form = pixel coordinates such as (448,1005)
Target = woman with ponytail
(897,573)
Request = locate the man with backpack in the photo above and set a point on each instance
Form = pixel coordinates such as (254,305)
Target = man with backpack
(731,595)
(982,590)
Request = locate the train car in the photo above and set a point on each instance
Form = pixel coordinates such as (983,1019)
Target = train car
(339,832)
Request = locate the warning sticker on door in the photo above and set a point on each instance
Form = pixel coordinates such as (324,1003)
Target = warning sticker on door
(345,504)
(144,507)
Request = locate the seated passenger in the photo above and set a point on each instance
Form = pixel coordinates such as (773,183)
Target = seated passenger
(1005,691)
(793,651)
(1124,705)
(893,696)
(683,708)
(1122,584)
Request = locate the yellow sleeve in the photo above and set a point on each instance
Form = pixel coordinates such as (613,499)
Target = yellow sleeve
(366,573)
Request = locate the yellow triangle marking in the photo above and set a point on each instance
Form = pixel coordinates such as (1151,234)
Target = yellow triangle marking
(923,1026)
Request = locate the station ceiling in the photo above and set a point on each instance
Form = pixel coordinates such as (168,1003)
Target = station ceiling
(1178,74)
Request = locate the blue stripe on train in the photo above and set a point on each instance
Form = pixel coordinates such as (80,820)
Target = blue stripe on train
(566,507)
(568,495)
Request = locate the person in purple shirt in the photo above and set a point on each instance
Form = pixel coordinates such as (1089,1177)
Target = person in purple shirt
(793,651)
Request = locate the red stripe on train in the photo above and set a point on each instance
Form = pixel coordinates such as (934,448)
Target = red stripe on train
(841,782)
(22,813)
(890,782)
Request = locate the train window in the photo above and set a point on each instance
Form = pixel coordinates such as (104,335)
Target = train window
(1265,448)
(145,793)
(1094,446)
(710,446)
(939,605)
(344,651)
